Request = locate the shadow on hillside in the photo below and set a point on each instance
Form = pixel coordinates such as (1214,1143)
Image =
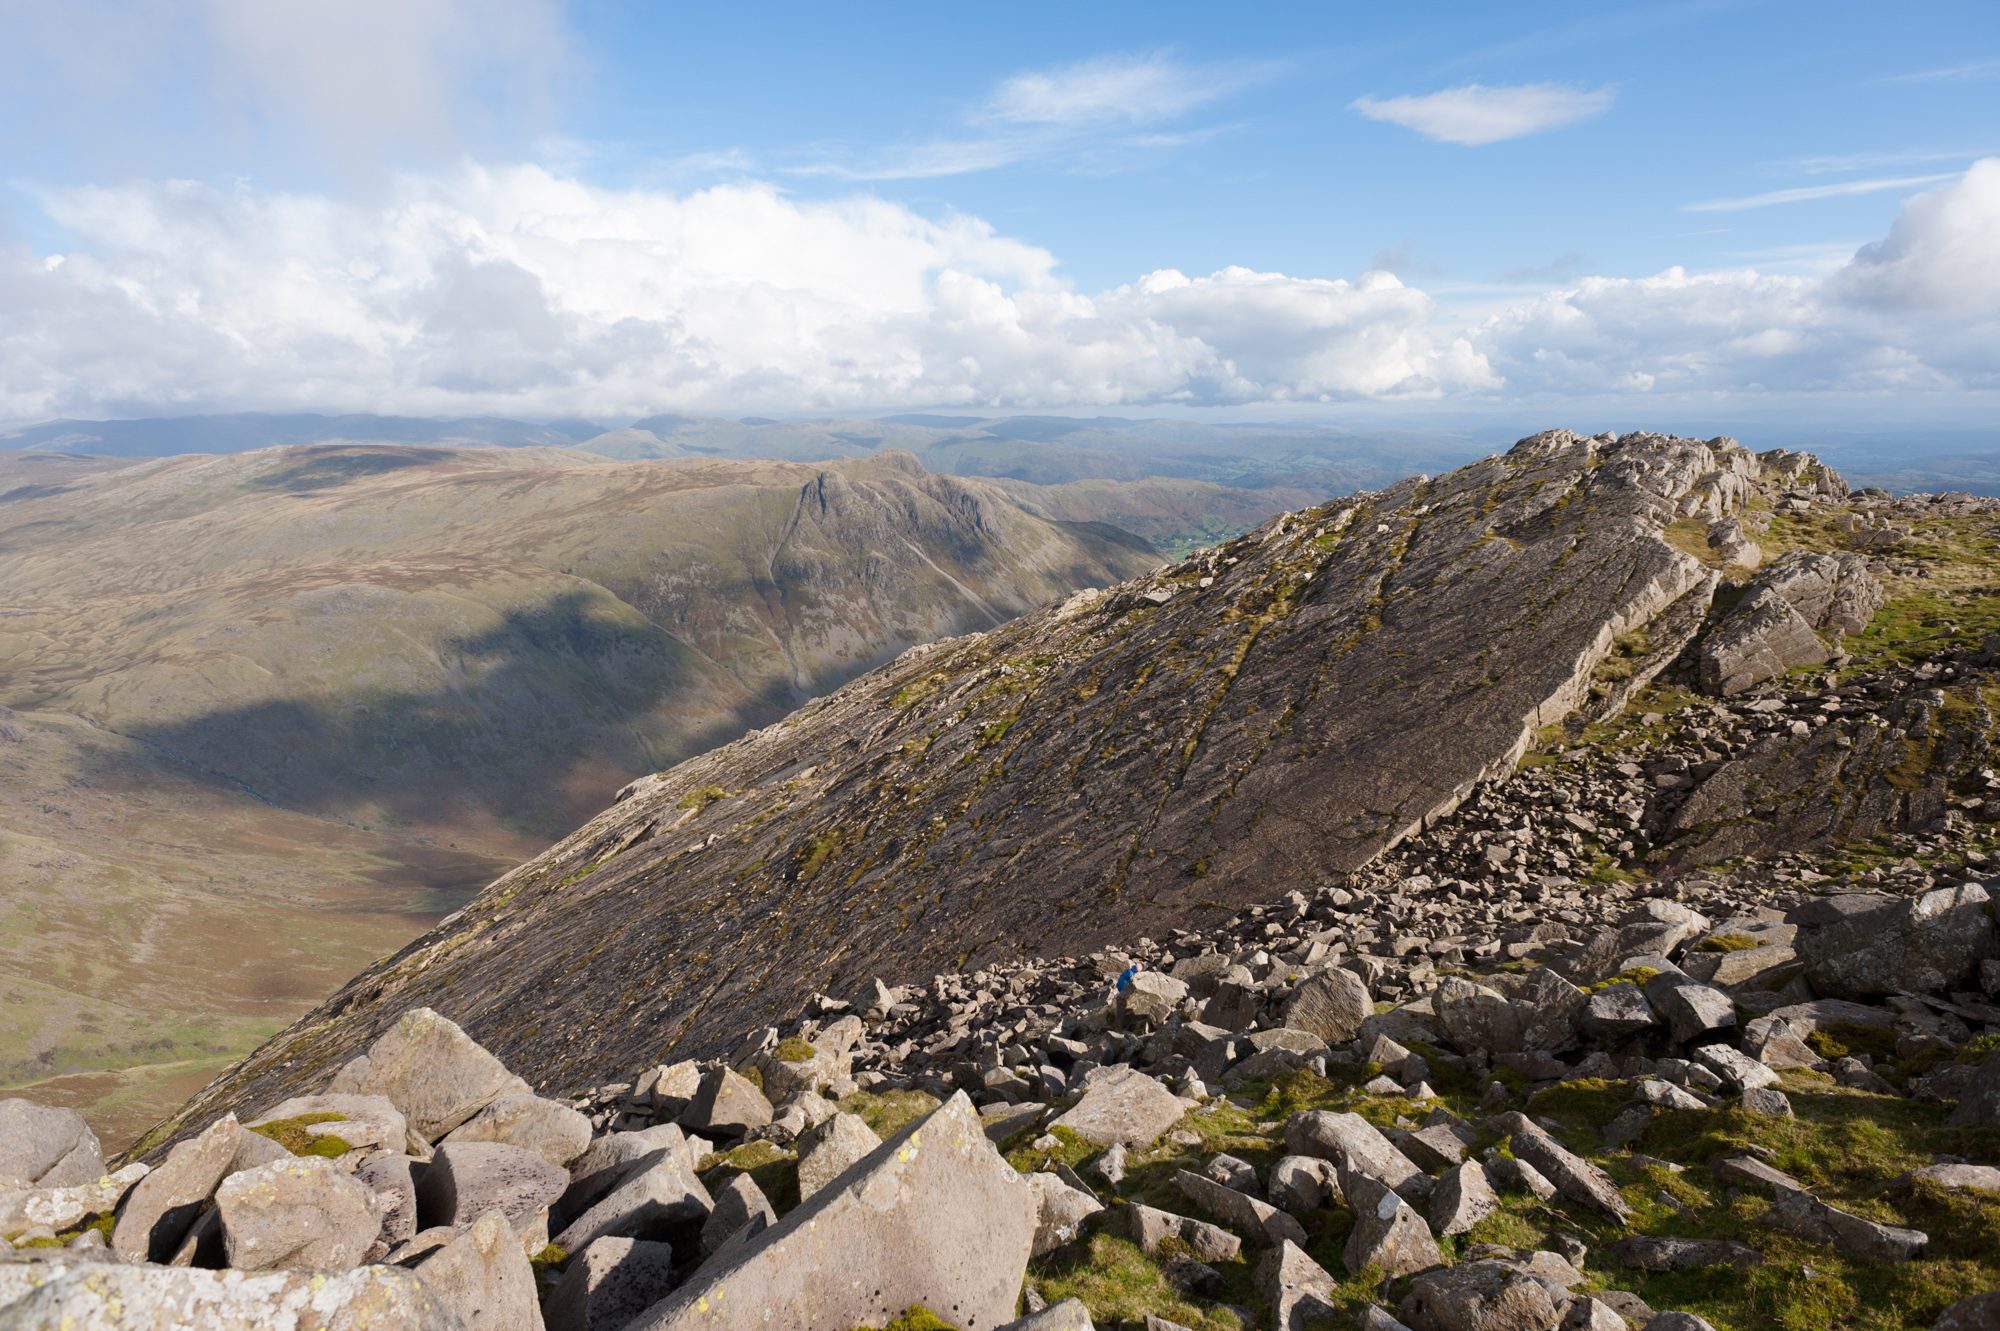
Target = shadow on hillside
(545,717)
(324,468)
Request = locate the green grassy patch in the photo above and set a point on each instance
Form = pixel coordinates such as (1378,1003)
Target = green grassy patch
(794,1050)
(889,1112)
(291,1134)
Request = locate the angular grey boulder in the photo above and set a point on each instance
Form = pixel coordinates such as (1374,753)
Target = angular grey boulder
(467,1179)
(1122,1106)
(1388,1235)
(1981,1312)
(827,1150)
(435,1073)
(1776,626)
(484,1278)
(741,1209)
(1930,944)
(1149,1228)
(389,1178)
(156,1214)
(1069,1315)
(933,1217)
(1299,1290)
(600,1168)
(1356,1146)
(553,1131)
(1258,1221)
(1331,1003)
(58,1209)
(46,1147)
(728,1105)
(659,1197)
(1479,1296)
(1463,1198)
(359,1122)
(608,1284)
(1805,1216)
(1061,1212)
(298,1214)
(106,1297)
(1574,1177)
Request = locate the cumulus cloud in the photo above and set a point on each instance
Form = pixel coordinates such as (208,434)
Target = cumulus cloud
(1474,115)
(522,292)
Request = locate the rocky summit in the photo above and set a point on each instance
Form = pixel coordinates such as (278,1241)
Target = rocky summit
(1561,894)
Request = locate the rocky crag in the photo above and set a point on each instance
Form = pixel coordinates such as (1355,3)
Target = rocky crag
(1276,710)
(1687,1015)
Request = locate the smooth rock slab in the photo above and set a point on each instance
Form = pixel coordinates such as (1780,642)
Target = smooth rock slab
(1332,1004)
(740,1206)
(657,1197)
(610,1283)
(1061,1211)
(106,1297)
(600,1169)
(1150,1227)
(298,1214)
(432,1071)
(1575,1178)
(933,1217)
(1122,1106)
(45,1147)
(728,1105)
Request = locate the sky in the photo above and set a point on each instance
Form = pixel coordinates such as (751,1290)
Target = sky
(530,208)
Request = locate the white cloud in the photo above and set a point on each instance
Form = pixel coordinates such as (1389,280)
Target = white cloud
(521,292)
(1138,90)
(1474,114)
(1095,111)
(1806,193)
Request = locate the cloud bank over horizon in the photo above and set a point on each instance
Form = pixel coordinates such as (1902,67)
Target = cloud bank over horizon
(521,291)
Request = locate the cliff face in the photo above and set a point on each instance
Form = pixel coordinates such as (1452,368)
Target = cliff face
(1272,711)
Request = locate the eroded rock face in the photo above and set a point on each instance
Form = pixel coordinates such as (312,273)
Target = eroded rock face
(933,1217)
(1214,744)
(1779,624)
(300,1214)
(1933,943)
(430,1070)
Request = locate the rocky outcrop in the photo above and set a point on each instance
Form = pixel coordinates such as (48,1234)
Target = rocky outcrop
(1779,623)
(1278,708)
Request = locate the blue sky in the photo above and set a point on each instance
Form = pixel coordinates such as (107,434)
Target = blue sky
(519,206)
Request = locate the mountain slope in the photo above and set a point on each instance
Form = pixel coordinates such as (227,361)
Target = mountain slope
(1278,709)
(324,692)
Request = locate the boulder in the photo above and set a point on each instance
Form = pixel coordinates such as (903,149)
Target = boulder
(467,1179)
(57,1209)
(355,1122)
(1692,1011)
(555,1132)
(1061,1211)
(608,1284)
(432,1071)
(484,1278)
(1299,1290)
(1356,1146)
(1069,1315)
(608,1159)
(1463,1198)
(740,1209)
(1149,1228)
(1258,1221)
(727,1106)
(1805,1216)
(157,1213)
(1615,1013)
(1931,944)
(1737,1070)
(1152,997)
(658,1197)
(1122,1106)
(1981,1312)
(1479,1296)
(1388,1235)
(388,1177)
(825,1152)
(71,1296)
(1776,626)
(1301,1183)
(1574,1178)
(299,1214)
(1648,1252)
(46,1147)
(933,1217)
(1331,1003)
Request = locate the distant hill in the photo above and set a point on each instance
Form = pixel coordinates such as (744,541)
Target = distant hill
(266,715)
(169,436)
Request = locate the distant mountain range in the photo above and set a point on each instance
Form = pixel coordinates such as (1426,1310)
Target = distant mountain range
(266,716)
(1306,459)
